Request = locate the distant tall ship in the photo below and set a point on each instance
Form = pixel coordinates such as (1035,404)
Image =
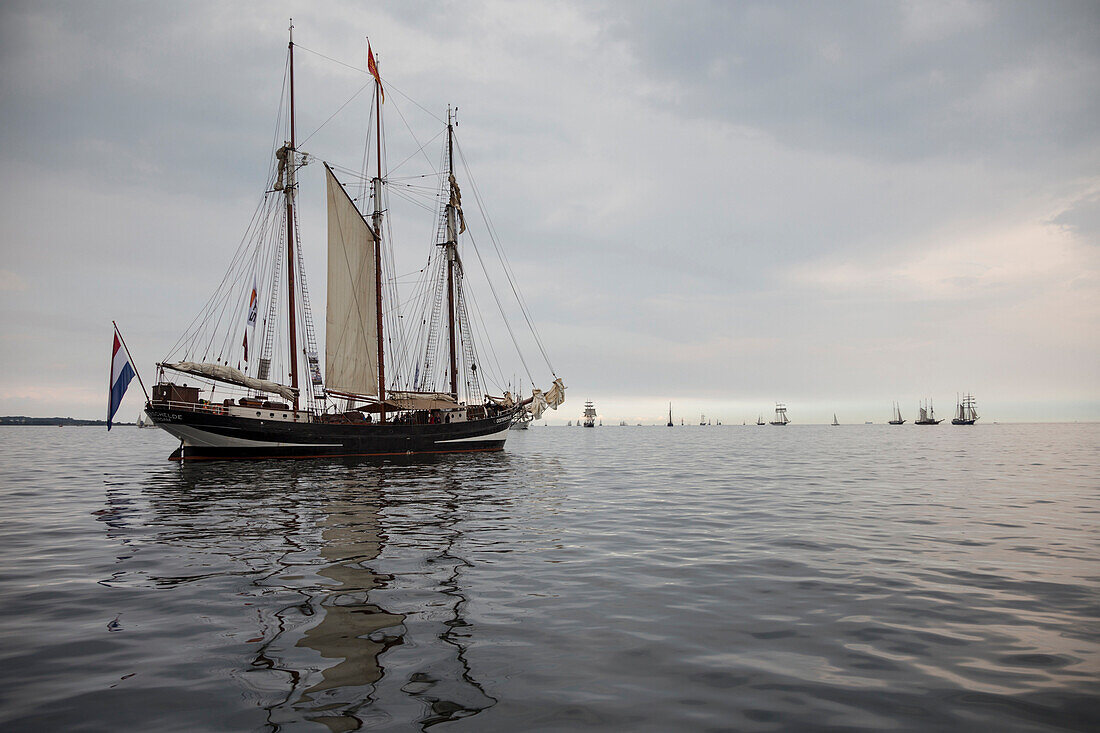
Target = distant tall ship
(834,419)
(670,414)
(589,414)
(702,419)
(927,415)
(780,414)
(760,420)
(897,419)
(966,410)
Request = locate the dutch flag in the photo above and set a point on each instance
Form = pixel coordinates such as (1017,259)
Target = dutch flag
(122,371)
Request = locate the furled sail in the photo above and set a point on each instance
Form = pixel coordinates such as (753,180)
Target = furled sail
(537,405)
(555,395)
(508,400)
(351,336)
(226,373)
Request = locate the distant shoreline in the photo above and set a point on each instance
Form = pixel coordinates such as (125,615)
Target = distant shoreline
(24,420)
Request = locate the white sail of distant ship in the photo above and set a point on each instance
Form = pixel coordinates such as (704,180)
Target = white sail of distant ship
(780,414)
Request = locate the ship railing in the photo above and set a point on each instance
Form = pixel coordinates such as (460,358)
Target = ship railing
(212,408)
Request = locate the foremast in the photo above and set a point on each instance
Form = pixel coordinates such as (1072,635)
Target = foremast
(451,252)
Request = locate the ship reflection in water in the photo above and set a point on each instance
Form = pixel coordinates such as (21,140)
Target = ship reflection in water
(335,639)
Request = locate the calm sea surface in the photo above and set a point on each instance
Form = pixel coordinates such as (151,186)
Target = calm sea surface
(623,578)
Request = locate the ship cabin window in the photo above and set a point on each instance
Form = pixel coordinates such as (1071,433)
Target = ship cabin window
(273,414)
(257,413)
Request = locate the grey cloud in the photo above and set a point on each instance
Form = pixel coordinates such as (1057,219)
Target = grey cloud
(1020,83)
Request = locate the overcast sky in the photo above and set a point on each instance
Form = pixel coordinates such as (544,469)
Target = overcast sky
(835,205)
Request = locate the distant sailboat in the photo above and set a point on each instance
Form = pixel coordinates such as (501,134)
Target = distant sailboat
(966,410)
(760,420)
(927,415)
(834,419)
(702,419)
(780,414)
(897,419)
(670,414)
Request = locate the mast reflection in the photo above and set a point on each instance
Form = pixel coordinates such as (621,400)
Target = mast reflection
(335,639)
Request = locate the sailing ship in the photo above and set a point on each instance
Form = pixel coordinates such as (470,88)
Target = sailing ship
(702,419)
(522,420)
(966,410)
(589,414)
(670,414)
(927,415)
(897,419)
(760,420)
(780,414)
(834,420)
(385,390)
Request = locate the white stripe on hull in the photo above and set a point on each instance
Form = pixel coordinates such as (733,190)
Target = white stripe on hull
(197,437)
(503,434)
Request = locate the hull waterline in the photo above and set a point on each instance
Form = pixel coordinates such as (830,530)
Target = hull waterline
(210,436)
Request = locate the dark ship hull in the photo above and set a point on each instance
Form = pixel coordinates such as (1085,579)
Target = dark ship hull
(928,422)
(962,421)
(205,434)
(897,422)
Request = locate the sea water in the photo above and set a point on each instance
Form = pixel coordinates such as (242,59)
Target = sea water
(743,578)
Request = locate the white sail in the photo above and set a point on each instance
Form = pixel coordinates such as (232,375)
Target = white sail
(351,337)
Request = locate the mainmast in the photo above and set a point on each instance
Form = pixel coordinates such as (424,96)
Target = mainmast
(376,219)
(289,193)
(451,253)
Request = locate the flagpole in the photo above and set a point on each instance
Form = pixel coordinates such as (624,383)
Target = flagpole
(136,372)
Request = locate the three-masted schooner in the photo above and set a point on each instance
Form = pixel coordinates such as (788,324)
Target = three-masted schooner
(966,410)
(926,415)
(589,414)
(384,391)
(780,414)
(897,419)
